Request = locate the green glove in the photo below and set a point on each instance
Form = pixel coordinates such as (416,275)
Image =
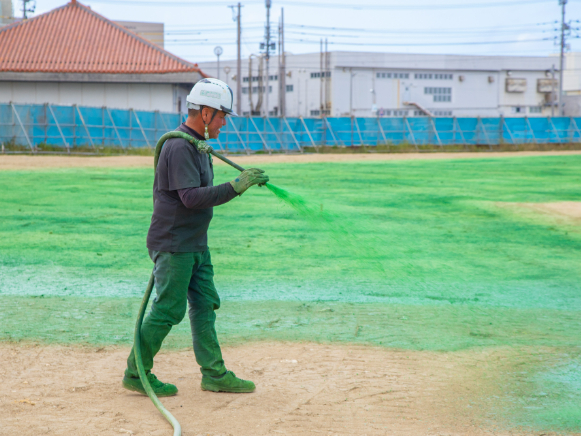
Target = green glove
(248,178)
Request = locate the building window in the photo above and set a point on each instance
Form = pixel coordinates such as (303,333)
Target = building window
(433,90)
(245,114)
(392,75)
(433,76)
(289,88)
(245,90)
(315,113)
(536,109)
(245,79)
(320,74)
(440,94)
(273,77)
(255,89)
(400,113)
(419,114)
(442,113)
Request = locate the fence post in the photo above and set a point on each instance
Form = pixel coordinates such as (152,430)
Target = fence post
(529,127)
(309,134)
(381,130)
(22,127)
(293,135)
(331,131)
(275,134)
(407,125)
(351,130)
(84,125)
(505,124)
(45,123)
(486,138)
(239,137)
(114,127)
(59,128)
(435,131)
(359,133)
(261,137)
(141,128)
(555,130)
(574,123)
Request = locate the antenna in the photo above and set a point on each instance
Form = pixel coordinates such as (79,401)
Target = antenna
(26,8)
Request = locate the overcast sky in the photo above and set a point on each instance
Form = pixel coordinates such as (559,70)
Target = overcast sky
(484,27)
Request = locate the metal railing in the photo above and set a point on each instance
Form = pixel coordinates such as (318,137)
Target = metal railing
(68,127)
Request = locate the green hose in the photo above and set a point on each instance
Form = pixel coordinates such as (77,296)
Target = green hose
(199,144)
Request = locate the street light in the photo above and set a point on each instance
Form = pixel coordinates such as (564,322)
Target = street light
(351,74)
(227,71)
(218,51)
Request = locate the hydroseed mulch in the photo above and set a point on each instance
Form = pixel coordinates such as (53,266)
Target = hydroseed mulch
(413,255)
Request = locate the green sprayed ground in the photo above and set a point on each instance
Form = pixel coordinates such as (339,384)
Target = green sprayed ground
(413,255)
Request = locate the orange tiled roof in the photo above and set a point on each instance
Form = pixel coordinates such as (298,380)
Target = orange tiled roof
(74,39)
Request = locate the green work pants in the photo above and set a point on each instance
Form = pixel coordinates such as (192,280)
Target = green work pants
(182,278)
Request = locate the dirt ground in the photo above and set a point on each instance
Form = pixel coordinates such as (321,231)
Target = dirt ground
(302,388)
(561,212)
(29,162)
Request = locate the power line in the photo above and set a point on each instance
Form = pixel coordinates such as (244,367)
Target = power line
(415,7)
(428,44)
(383,6)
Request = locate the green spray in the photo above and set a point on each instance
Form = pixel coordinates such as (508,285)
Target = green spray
(334,225)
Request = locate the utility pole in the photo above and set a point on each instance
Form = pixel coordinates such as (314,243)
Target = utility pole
(564,27)
(267,37)
(238,61)
(327,78)
(321,74)
(553,91)
(26,8)
(282,60)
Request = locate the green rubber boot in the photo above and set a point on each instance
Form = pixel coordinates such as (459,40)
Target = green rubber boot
(227,383)
(161,389)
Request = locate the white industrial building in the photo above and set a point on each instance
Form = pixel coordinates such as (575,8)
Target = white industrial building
(392,84)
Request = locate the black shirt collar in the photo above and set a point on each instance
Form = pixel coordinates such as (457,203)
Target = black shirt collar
(191,131)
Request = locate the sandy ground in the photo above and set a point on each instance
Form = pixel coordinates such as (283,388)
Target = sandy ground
(561,212)
(302,389)
(28,162)
(565,210)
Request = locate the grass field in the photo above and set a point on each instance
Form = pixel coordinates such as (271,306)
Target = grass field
(438,256)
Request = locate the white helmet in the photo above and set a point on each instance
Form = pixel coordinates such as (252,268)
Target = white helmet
(212,93)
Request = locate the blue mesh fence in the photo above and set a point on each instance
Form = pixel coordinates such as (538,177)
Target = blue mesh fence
(75,126)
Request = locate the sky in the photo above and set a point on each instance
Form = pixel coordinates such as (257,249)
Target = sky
(478,27)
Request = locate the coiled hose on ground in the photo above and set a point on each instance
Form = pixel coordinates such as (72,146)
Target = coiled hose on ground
(177,429)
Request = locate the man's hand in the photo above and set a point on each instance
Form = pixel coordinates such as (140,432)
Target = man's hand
(248,178)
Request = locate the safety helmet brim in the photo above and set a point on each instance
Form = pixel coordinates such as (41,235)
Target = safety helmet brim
(229,111)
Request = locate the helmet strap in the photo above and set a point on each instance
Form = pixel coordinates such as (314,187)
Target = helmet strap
(206,134)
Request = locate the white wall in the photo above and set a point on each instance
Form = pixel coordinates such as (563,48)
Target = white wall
(480,93)
(146,97)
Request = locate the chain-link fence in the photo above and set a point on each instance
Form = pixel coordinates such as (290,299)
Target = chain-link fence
(70,127)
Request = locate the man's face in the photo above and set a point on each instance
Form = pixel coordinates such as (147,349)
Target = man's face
(217,123)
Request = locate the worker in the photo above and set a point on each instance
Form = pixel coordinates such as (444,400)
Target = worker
(184,197)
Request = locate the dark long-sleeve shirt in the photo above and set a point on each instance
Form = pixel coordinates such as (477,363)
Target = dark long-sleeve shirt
(183,197)
(209,196)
